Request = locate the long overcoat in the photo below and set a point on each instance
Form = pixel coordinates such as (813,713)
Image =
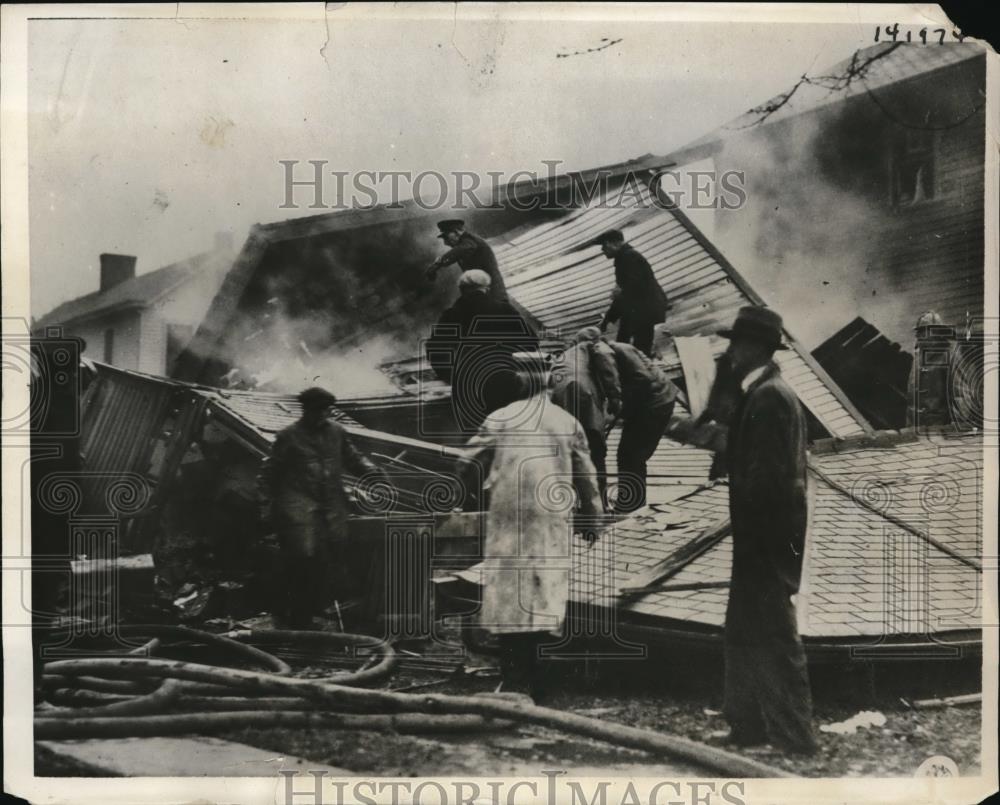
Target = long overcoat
(305,479)
(537,455)
(766,454)
(766,681)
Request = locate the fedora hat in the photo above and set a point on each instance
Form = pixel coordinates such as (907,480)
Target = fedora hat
(760,324)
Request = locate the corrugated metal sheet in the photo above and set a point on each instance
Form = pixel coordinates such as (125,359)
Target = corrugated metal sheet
(133,426)
(567,285)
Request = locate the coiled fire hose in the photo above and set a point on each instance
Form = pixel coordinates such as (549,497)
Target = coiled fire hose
(142,696)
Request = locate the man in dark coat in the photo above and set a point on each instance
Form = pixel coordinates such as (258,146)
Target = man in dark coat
(470,252)
(309,504)
(644,397)
(640,303)
(767,697)
(574,388)
(473,340)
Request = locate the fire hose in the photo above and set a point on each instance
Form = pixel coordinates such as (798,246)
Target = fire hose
(170,697)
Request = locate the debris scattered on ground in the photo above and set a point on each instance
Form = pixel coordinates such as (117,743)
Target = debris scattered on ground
(863,720)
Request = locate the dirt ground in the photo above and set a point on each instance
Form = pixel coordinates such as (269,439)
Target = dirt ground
(672,690)
(683,701)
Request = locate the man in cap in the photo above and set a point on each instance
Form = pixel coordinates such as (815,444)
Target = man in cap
(528,451)
(472,340)
(304,479)
(470,252)
(639,303)
(767,697)
(642,395)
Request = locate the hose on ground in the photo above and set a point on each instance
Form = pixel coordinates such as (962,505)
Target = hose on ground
(339,693)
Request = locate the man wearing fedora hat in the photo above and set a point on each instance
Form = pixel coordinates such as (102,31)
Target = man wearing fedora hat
(470,252)
(767,696)
(639,303)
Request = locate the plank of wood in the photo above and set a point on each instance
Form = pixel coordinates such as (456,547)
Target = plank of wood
(650,580)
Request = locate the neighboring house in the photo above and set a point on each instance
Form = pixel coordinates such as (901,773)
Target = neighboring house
(142,322)
(865,190)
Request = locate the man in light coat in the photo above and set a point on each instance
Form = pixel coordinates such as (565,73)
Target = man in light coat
(534,456)
(767,696)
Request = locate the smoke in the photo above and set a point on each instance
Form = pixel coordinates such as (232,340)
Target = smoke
(328,308)
(808,237)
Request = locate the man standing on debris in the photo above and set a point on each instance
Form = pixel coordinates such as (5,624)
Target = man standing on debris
(473,339)
(640,303)
(470,252)
(767,697)
(309,505)
(576,390)
(642,395)
(530,451)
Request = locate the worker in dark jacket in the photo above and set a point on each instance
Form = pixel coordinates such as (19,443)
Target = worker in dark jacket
(574,388)
(767,698)
(643,396)
(474,339)
(470,252)
(304,479)
(640,303)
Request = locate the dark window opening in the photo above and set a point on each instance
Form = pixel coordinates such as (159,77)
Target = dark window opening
(913,168)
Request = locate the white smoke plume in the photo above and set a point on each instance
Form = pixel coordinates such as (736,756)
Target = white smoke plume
(808,236)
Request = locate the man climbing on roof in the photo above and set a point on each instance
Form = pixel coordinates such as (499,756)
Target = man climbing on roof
(575,389)
(304,481)
(767,696)
(473,340)
(470,252)
(642,395)
(639,303)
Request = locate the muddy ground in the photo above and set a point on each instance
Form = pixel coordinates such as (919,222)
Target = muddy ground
(682,697)
(676,690)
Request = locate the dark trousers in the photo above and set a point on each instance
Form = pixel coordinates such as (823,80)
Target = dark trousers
(641,434)
(310,583)
(521,662)
(638,332)
(598,445)
(767,696)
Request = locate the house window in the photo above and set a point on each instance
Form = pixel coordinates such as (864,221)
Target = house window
(109,345)
(913,167)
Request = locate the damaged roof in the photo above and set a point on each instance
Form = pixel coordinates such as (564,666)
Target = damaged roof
(566,283)
(890,553)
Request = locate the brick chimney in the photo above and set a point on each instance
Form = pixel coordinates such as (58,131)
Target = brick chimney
(115,269)
(931,378)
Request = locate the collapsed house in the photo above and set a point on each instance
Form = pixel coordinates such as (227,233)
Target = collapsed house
(892,566)
(892,563)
